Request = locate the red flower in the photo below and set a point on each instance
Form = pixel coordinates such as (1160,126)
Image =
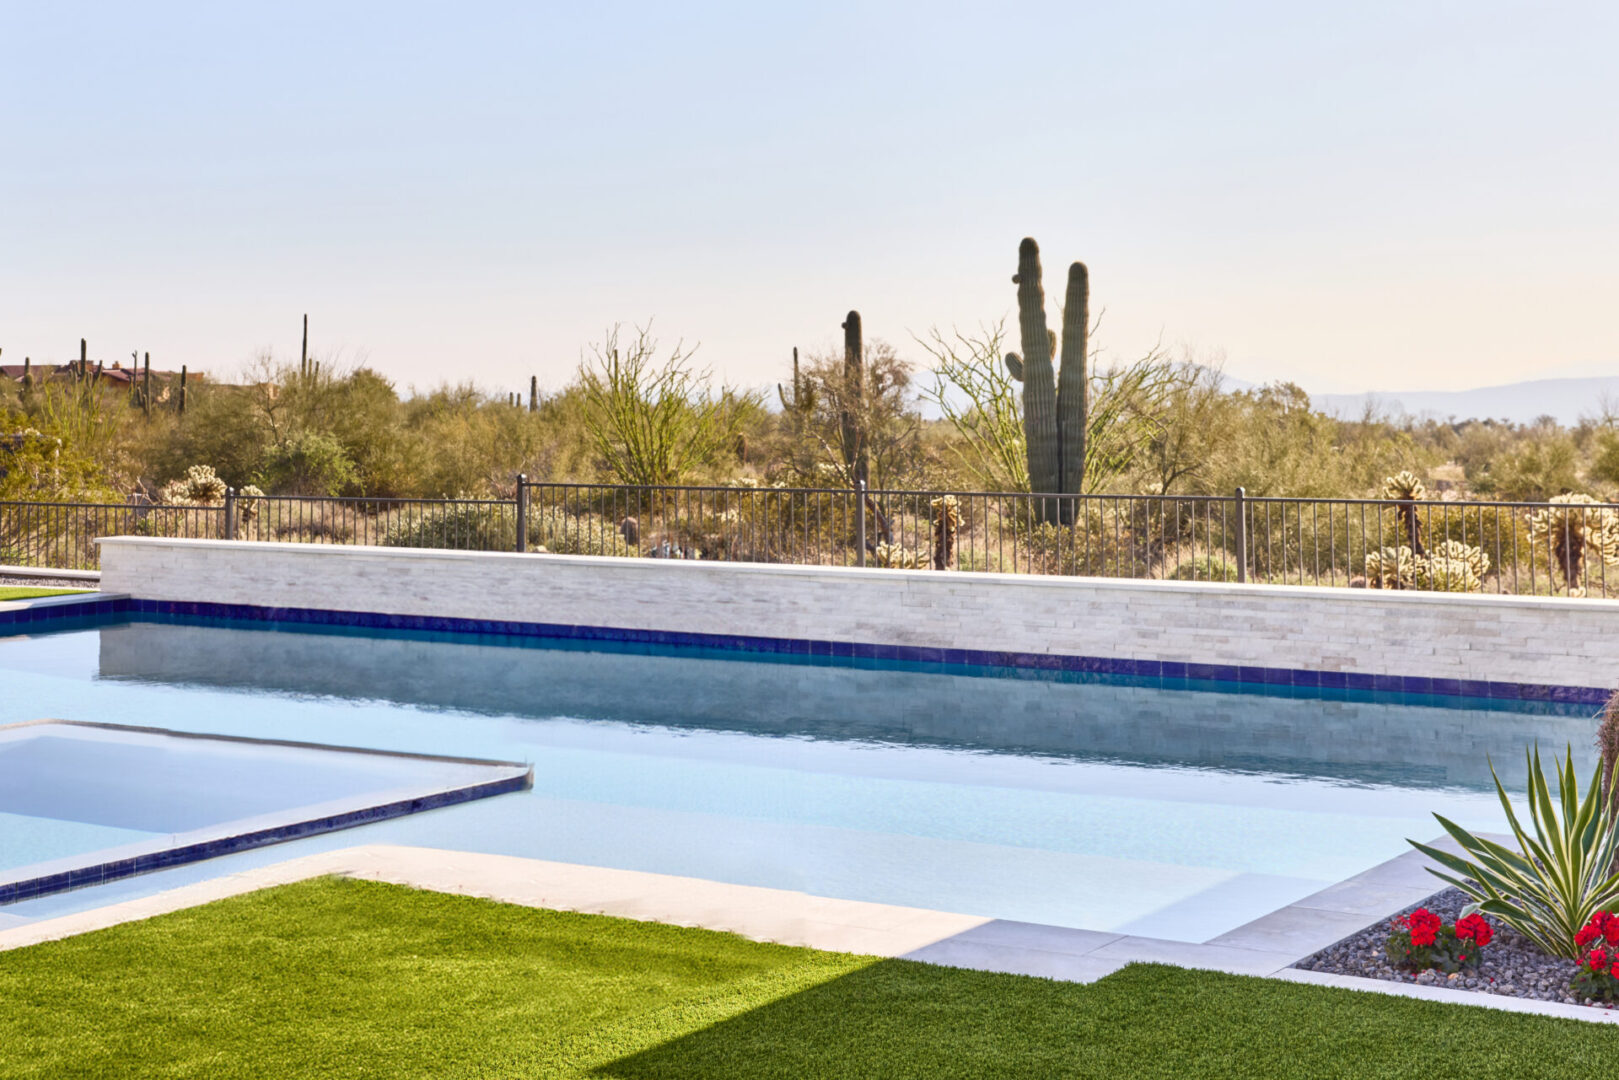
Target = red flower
(1609,925)
(1424,926)
(1597,960)
(1475,926)
(1588,934)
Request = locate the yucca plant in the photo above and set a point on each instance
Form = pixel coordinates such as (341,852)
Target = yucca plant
(1559,877)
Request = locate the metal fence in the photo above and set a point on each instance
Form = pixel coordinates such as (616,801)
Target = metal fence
(1559,548)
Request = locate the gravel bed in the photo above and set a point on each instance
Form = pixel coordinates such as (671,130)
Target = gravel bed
(47,583)
(1509,966)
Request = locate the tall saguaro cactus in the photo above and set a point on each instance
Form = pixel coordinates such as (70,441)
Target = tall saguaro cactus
(851,417)
(1055,405)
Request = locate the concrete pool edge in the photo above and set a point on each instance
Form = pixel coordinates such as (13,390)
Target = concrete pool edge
(295,823)
(793,918)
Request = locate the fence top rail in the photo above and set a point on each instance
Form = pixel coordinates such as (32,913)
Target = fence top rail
(722,489)
(1311,500)
(372,500)
(1424,505)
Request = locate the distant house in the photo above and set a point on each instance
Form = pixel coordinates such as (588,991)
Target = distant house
(116,375)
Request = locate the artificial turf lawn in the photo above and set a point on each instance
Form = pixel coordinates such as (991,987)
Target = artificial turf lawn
(26,592)
(339,978)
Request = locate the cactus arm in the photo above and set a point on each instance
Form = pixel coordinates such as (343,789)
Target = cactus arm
(1039,379)
(1014,364)
(1073,387)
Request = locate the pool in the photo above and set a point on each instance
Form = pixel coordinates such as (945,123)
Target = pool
(1097,802)
(84,803)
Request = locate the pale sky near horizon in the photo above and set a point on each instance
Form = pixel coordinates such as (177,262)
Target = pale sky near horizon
(1377,196)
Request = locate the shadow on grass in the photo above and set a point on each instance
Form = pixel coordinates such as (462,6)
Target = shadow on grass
(895,1018)
(902,1019)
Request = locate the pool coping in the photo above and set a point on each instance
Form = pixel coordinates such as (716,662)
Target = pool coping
(256,830)
(864,928)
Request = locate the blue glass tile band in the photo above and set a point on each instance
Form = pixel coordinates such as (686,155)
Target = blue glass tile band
(79,877)
(1168,674)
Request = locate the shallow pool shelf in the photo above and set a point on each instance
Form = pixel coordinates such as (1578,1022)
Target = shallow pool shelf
(83,803)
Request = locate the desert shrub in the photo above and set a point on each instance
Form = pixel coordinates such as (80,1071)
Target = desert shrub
(458,526)
(1197,564)
(555,530)
(1538,468)
(310,463)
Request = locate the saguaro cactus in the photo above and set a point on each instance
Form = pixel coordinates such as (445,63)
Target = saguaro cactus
(851,417)
(1055,404)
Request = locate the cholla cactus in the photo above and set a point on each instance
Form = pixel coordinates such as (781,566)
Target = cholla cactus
(1478,563)
(198,487)
(1391,568)
(1572,527)
(247,503)
(946,520)
(1406,487)
(895,557)
(1404,484)
(1441,573)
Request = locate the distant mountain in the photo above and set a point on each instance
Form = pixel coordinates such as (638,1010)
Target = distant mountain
(1523,402)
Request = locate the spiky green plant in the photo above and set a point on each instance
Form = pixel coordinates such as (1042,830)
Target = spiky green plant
(897,557)
(1391,568)
(198,487)
(1559,877)
(1477,562)
(1437,574)
(1452,566)
(247,503)
(1573,528)
(1406,487)
(1055,404)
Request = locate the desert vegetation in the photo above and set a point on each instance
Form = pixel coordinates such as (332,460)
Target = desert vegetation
(940,411)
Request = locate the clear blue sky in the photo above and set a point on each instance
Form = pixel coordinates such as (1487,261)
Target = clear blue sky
(1351,196)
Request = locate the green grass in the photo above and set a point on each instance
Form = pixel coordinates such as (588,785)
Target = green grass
(24,592)
(338,978)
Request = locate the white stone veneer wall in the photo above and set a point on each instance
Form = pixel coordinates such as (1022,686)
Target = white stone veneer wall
(1497,638)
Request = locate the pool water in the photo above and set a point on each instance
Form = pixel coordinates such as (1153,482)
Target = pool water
(26,839)
(1083,802)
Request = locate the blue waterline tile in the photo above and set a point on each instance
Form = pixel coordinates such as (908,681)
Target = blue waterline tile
(1324,685)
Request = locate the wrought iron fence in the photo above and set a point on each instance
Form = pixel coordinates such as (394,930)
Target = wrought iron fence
(1561,548)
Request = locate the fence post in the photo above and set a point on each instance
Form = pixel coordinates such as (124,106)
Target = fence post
(522,513)
(230,513)
(860,517)
(1242,535)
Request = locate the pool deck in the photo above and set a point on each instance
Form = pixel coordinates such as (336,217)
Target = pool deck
(1266,947)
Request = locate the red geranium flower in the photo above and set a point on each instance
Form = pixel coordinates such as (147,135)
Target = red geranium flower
(1424,926)
(1597,960)
(1588,934)
(1609,925)
(1475,926)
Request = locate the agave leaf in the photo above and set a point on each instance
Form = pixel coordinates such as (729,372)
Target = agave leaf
(1542,810)
(1490,883)
(1506,805)
(1568,789)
